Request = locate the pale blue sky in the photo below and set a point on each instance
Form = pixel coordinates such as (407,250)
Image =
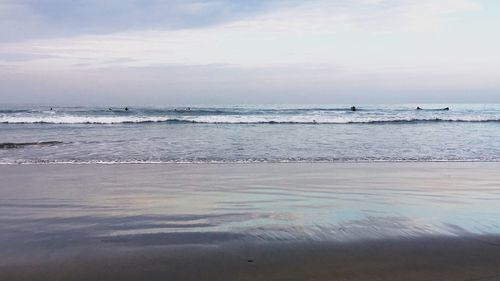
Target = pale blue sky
(222,51)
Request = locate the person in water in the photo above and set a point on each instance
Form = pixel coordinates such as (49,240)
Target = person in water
(446,108)
(353,108)
(126,108)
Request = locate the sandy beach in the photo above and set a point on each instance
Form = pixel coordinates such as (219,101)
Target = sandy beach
(342,221)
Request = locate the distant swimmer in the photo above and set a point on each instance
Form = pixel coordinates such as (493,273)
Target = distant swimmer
(126,108)
(353,108)
(446,108)
(110,109)
(51,109)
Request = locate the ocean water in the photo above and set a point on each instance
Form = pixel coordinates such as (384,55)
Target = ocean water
(241,134)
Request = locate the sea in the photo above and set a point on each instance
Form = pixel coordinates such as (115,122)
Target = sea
(249,133)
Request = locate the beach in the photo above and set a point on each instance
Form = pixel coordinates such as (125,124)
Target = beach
(237,140)
(265,221)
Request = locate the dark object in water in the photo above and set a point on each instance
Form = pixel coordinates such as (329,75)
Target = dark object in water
(7,145)
(353,108)
(110,109)
(126,108)
(446,108)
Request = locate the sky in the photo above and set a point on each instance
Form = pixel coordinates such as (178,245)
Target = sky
(154,52)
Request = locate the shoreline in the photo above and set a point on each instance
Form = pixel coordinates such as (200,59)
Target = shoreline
(247,163)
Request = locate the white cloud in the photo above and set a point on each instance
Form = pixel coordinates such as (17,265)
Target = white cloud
(370,15)
(305,33)
(28,19)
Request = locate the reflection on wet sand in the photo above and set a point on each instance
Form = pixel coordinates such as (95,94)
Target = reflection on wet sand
(68,213)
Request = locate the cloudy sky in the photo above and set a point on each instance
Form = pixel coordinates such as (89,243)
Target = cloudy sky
(249,51)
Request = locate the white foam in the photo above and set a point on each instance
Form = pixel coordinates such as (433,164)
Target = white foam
(72,119)
(330,118)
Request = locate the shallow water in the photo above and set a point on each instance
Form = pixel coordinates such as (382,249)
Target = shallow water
(242,134)
(67,206)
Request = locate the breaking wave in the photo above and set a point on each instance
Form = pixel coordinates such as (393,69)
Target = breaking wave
(239,120)
(243,161)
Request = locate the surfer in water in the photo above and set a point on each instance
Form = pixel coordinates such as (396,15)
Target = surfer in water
(126,108)
(353,108)
(446,108)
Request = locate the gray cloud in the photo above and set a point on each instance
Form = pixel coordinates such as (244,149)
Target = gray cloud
(29,19)
(21,57)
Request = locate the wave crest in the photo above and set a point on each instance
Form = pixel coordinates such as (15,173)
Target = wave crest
(235,120)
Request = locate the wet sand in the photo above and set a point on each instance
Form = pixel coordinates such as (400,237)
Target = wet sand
(420,259)
(364,221)
(429,259)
